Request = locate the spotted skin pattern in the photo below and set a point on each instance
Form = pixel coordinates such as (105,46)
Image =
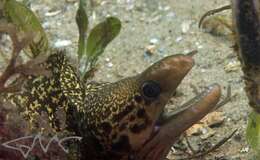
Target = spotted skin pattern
(113,115)
(48,94)
(121,113)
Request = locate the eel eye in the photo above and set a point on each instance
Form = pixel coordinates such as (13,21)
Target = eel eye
(151,89)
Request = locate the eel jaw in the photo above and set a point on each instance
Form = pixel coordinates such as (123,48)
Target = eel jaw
(171,128)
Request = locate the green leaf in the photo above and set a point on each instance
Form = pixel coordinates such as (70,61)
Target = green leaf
(100,36)
(18,14)
(253,131)
(82,22)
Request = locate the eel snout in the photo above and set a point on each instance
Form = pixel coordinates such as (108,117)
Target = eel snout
(169,72)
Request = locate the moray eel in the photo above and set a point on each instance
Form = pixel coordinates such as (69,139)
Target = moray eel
(120,120)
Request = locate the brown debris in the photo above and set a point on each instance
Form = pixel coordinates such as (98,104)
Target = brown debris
(212,119)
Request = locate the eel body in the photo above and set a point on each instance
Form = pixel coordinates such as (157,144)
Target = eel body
(120,120)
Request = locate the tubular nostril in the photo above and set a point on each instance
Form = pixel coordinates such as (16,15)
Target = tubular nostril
(189,60)
(192,53)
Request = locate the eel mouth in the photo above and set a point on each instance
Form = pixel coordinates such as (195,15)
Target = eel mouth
(168,73)
(169,127)
(192,111)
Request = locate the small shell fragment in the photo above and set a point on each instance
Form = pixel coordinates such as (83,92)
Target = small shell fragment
(232,66)
(154,41)
(214,118)
(54,13)
(150,49)
(185,26)
(62,43)
(110,64)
